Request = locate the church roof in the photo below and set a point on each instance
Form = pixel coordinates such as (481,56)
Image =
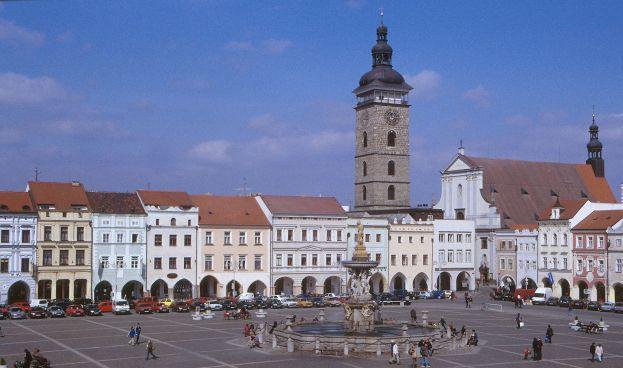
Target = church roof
(521,190)
(229,211)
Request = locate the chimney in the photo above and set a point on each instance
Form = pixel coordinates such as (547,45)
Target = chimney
(75,183)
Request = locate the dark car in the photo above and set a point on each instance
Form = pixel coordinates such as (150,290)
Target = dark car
(564,301)
(594,306)
(193,304)
(83,302)
(56,311)
(181,307)
(246,304)
(552,302)
(228,304)
(37,312)
(579,304)
(63,303)
(4,311)
(318,302)
(261,303)
(437,294)
(92,310)
(274,304)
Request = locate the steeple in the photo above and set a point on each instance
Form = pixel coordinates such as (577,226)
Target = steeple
(594,148)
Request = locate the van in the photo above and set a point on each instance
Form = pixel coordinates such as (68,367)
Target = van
(541,295)
(246,296)
(121,306)
(39,303)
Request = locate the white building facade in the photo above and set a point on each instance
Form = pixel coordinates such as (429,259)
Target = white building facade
(376,240)
(453,264)
(526,238)
(411,253)
(615,263)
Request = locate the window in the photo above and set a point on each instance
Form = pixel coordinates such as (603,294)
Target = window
(278,234)
(227,238)
(545,262)
(47,233)
(591,265)
(579,265)
(303,260)
(565,264)
(564,239)
(314,260)
(279,260)
(393,259)
(189,223)
(365,139)
(367,238)
(442,257)
(520,264)
(64,257)
(459,238)
(157,222)
(555,237)
(510,264)
(391,168)
(413,259)
(290,260)
(134,262)
(391,193)
(227,262)
(257,263)
(450,238)
(290,235)
(304,235)
(172,240)
(47,257)
(64,233)
(502,264)
(328,235)
(364,169)
(104,262)
(25,236)
(158,239)
(105,238)
(80,233)
(580,242)
(600,242)
(441,237)
(399,239)
(157,263)
(468,238)
(328,258)
(459,256)
(25,265)
(173,222)
(483,243)
(554,262)
(4,265)
(601,265)
(619,265)
(208,264)
(315,235)
(405,260)
(618,242)
(187,263)
(364,193)
(339,235)
(242,238)
(4,237)
(590,241)
(80,257)
(134,238)
(377,257)
(119,261)
(468,256)
(119,238)
(378,238)
(338,259)
(258,238)
(544,239)
(172,263)
(391,139)
(450,256)
(188,239)
(209,238)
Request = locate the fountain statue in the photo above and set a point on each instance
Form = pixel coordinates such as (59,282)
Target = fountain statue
(359,308)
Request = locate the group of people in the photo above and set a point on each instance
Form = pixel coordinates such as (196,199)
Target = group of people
(468,300)
(134,334)
(597,352)
(421,351)
(32,360)
(249,331)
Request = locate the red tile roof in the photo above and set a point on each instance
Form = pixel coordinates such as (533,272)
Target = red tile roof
(63,196)
(521,190)
(530,227)
(162,198)
(229,211)
(115,203)
(569,208)
(600,220)
(16,202)
(303,205)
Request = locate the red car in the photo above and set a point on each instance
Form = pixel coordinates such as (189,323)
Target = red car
(142,308)
(105,306)
(24,306)
(74,311)
(160,308)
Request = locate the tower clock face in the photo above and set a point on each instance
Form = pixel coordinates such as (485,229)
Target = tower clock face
(391,117)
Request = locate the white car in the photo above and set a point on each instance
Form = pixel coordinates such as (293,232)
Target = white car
(120,307)
(213,305)
(330,295)
(422,294)
(290,303)
(43,303)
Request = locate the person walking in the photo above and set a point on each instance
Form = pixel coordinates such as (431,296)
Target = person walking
(27,358)
(137,332)
(570,310)
(132,336)
(548,334)
(413,351)
(535,343)
(599,352)
(425,354)
(519,320)
(539,349)
(592,350)
(395,353)
(466,300)
(150,350)
(413,315)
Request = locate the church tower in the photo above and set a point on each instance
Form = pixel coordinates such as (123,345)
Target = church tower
(594,148)
(382,133)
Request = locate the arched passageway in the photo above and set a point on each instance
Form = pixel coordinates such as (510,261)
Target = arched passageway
(208,287)
(18,292)
(284,285)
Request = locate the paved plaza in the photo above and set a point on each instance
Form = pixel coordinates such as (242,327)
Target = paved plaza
(102,342)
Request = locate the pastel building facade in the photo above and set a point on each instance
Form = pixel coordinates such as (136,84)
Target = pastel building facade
(453,263)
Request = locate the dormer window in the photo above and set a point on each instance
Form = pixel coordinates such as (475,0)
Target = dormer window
(555,214)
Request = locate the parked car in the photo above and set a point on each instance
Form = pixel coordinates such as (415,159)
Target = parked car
(167,302)
(214,305)
(606,307)
(39,303)
(552,302)
(16,313)
(83,302)
(274,304)
(160,308)
(92,310)
(579,304)
(618,307)
(422,295)
(261,302)
(447,294)
(437,294)
(56,311)
(63,303)
(105,306)
(541,295)
(290,303)
(74,310)
(197,303)
(228,304)
(144,308)
(304,303)
(24,306)
(37,312)
(246,304)
(332,302)
(4,311)
(564,301)
(180,307)
(121,307)
(594,306)
(318,302)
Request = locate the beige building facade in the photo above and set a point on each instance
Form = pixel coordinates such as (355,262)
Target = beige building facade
(410,253)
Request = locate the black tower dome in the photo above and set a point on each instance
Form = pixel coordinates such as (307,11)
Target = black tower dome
(594,148)
(382,70)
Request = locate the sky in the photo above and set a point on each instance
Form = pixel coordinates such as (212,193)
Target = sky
(216,96)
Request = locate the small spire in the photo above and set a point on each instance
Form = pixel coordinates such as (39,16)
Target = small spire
(382,13)
(461,148)
(593,114)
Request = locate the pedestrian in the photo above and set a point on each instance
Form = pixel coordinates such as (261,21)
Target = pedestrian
(548,334)
(539,349)
(526,353)
(137,331)
(599,352)
(442,322)
(593,349)
(132,336)
(519,320)
(516,302)
(413,315)
(466,300)
(395,359)
(272,328)
(535,343)
(27,359)
(570,310)
(413,351)
(246,330)
(150,350)
(425,354)
(463,331)
(470,299)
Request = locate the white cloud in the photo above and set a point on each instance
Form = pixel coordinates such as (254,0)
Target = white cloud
(86,127)
(426,84)
(12,34)
(17,89)
(213,151)
(265,122)
(240,46)
(66,37)
(617,115)
(273,46)
(478,95)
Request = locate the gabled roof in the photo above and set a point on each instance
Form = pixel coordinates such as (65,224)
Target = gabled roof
(600,220)
(63,196)
(303,205)
(115,203)
(229,211)
(16,202)
(521,190)
(569,208)
(164,198)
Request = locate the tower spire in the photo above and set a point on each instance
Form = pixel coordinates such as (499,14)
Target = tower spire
(594,148)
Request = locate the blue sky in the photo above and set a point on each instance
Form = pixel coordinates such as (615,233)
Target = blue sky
(197,95)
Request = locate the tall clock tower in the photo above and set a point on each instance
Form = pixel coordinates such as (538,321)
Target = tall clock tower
(382,133)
